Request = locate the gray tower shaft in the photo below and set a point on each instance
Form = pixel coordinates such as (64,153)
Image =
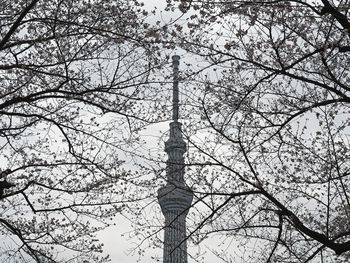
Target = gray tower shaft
(175,198)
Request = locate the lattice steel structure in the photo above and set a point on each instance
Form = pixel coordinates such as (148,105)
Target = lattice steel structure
(175,198)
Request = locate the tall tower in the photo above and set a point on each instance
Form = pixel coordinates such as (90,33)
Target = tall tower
(175,197)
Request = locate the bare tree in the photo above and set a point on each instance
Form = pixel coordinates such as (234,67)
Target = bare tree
(268,126)
(72,73)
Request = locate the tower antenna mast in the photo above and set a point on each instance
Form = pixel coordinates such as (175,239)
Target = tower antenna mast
(176,62)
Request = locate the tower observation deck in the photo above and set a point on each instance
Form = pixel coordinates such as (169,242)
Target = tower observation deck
(175,198)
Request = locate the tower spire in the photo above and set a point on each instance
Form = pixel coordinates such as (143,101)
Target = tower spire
(176,62)
(175,197)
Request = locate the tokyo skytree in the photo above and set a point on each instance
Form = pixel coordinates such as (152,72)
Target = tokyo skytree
(175,198)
